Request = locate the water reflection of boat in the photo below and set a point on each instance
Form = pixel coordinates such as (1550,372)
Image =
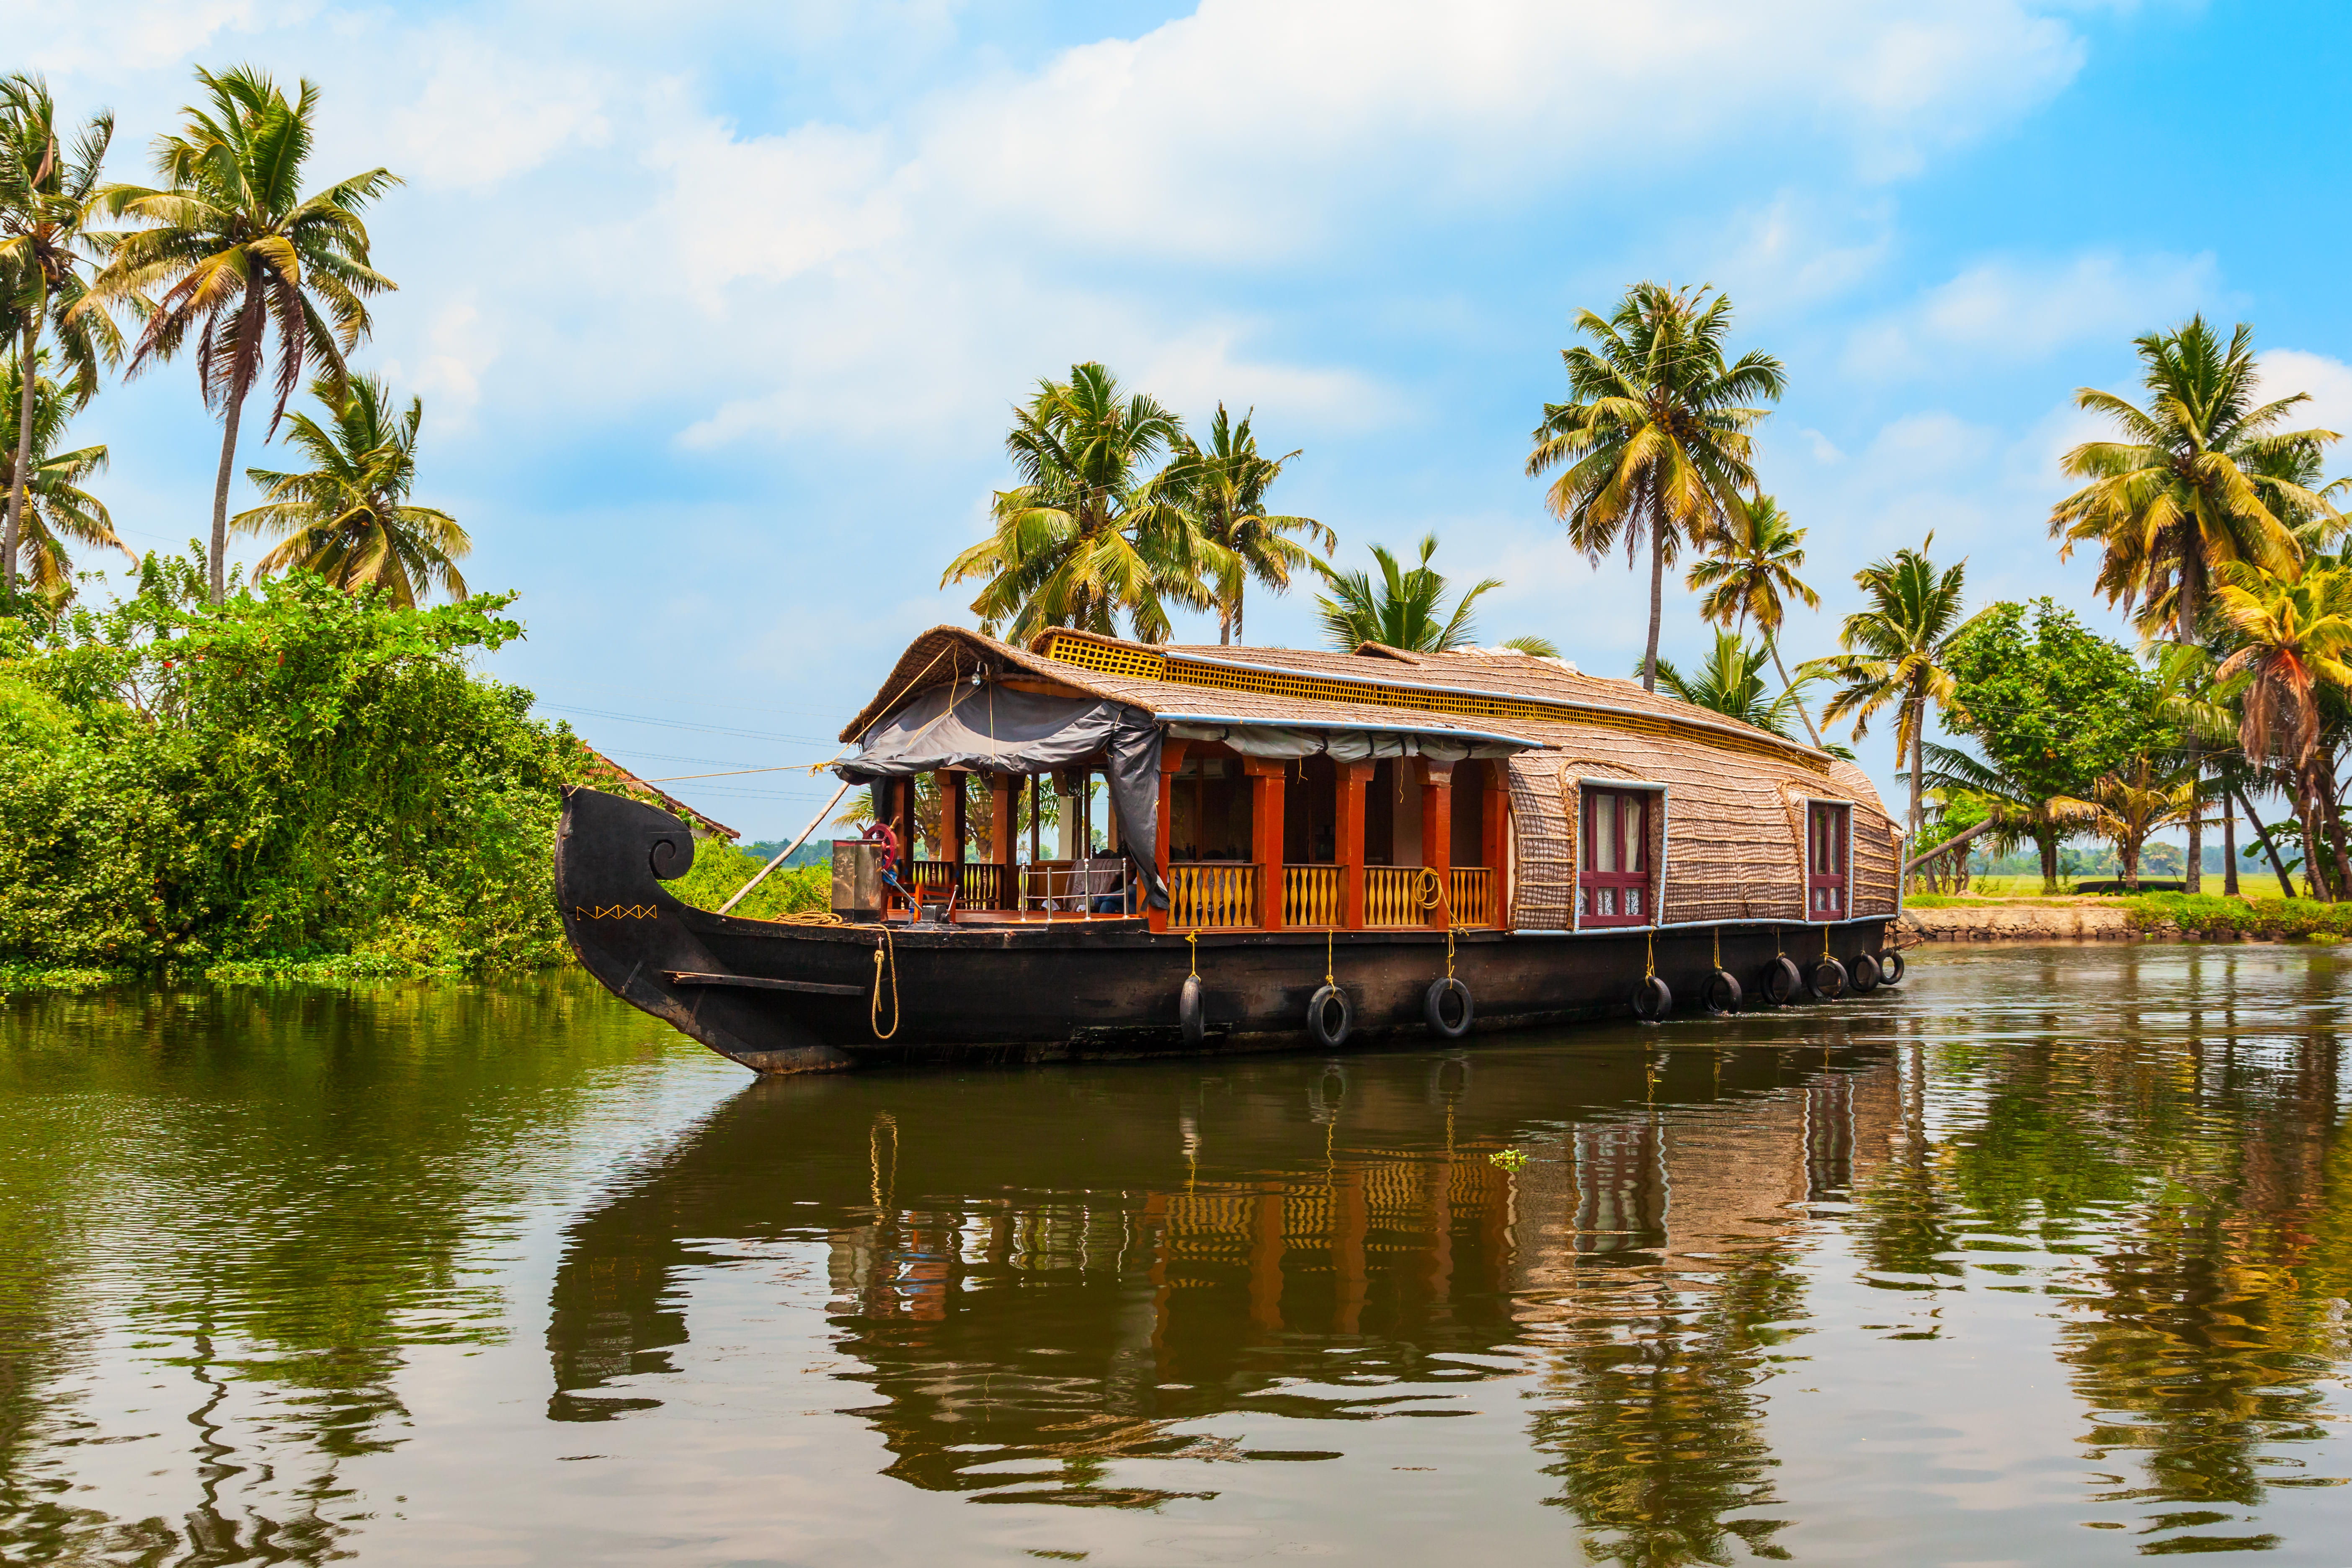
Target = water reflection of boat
(1333,844)
(1026,1303)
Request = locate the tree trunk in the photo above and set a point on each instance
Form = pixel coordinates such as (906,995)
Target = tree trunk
(1918,760)
(25,400)
(1224,624)
(220,497)
(2331,821)
(2130,848)
(2245,804)
(2228,852)
(2046,840)
(2192,877)
(1790,688)
(1657,596)
(2307,813)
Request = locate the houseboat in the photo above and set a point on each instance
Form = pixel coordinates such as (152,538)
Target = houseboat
(1295,848)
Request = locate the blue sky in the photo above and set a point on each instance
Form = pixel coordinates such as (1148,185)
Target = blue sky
(716,311)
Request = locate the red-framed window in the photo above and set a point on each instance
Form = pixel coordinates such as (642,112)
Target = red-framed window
(1612,885)
(1825,861)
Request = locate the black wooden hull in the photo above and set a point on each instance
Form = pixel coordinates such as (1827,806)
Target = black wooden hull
(792,999)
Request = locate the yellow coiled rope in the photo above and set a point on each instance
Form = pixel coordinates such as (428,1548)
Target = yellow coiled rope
(1433,894)
(890,945)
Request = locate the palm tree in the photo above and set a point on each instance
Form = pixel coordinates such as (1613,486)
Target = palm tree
(55,507)
(238,252)
(1653,440)
(2014,815)
(1731,683)
(1754,561)
(2294,632)
(47,198)
(2202,477)
(1406,608)
(1086,536)
(2127,805)
(1224,487)
(348,517)
(1896,654)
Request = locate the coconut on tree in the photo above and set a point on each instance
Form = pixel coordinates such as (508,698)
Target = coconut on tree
(348,516)
(231,257)
(1652,444)
(49,194)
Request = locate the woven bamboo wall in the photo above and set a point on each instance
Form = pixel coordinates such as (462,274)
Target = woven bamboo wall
(1543,874)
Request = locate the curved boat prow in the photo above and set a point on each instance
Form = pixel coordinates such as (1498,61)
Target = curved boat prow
(612,854)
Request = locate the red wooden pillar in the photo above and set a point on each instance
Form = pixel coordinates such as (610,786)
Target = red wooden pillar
(1437,832)
(1495,847)
(1348,825)
(951,818)
(1265,776)
(1000,823)
(1171,757)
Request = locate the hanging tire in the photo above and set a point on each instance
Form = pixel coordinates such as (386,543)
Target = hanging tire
(1890,968)
(1723,994)
(1329,1017)
(1433,1003)
(1865,975)
(1780,984)
(1189,1012)
(1828,980)
(1652,1000)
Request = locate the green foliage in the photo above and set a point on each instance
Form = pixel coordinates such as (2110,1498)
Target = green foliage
(2220,919)
(1406,608)
(2052,704)
(296,773)
(1731,683)
(719,869)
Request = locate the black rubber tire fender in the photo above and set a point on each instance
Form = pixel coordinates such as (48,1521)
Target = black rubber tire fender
(1433,1007)
(1781,984)
(1828,980)
(1321,1026)
(1189,1011)
(1723,994)
(1891,967)
(1865,969)
(1652,1000)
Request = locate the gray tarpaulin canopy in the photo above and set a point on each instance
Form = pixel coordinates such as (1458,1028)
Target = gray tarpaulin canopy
(995,729)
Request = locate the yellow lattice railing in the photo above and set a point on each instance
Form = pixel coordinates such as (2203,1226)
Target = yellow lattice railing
(983,885)
(1149,664)
(1211,898)
(1392,896)
(1310,895)
(1473,893)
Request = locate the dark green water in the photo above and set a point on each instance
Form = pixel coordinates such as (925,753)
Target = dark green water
(2042,1261)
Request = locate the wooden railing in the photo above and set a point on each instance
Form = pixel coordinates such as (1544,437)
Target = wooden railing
(1310,896)
(1473,895)
(980,883)
(1203,896)
(1392,896)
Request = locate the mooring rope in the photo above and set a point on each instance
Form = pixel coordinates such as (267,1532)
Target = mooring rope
(1433,894)
(1192,940)
(890,944)
(1327,959)
(1649,970)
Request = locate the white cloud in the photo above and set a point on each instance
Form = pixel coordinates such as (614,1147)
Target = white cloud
(2327,381)
(485,116)
(2018,313)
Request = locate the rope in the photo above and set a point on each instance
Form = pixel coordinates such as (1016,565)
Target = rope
(1432,892)
(888,944)
(1718,947)
(809,918)
(1192,940)
(1651,971)
(1825,944)
(1327,959)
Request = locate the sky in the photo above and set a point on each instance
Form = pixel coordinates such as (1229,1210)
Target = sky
(719,312)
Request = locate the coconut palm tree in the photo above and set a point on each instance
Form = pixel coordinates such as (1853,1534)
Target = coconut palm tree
(1753,563)
(55,507)
(2202,477)
(1406,608)
(1732,683)
(47,196)
(2294,633)
(2128,805)
(2014,815)
(348,516)
(1896,654)
(1086,536)
(234,252)
(1653,441)
(1223,485)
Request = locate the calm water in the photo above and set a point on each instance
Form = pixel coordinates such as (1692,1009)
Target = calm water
(2043,1260)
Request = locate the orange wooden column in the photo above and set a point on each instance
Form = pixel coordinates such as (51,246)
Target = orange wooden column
(1000,812)
(1495,845)
(1265,776)
(1171,757)
(952,829)
(1437,832)
(1348,823)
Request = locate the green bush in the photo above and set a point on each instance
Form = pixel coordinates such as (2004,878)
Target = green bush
(719,869)
(2216,918)
(297,774)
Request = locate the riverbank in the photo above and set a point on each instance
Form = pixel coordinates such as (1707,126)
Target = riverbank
(2176,917)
